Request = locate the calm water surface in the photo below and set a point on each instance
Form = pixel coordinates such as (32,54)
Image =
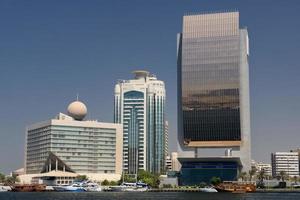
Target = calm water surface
(145,196)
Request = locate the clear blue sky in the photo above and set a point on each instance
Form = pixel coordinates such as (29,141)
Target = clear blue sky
(52,50)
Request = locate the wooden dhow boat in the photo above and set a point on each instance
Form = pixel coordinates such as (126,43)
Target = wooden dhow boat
(28,188)
(236,187)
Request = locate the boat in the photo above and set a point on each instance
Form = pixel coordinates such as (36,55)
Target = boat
(296,185)
(29,188)
(236,187)
(208,189)
(131,187)
(135,187)
(5,188)
(75,187)
(92,187)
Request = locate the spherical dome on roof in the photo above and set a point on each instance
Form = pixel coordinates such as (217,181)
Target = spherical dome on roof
(77,110)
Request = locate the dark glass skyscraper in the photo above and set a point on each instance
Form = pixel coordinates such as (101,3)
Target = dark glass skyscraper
(213,84)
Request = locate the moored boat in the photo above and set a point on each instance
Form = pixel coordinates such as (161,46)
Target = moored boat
(236,187)
(75,187)
(29,188)
(92,187)
(131,187)
(5,188)
(208,189)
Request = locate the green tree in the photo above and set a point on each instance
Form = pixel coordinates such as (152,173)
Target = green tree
(2,178)
(252,172)
(262,175)
(81,178)
(127,178)
(167,186)
(105,182)
(294,179)
(215,180)
(113,183)
(10,180)
(151,179)
(243,176)
(282,175)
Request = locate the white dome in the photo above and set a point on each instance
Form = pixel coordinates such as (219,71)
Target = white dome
(77,110)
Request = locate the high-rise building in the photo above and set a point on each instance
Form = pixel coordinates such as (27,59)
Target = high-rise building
(166,138)
(140,107)
(285,161)
(69,143)
(213,89)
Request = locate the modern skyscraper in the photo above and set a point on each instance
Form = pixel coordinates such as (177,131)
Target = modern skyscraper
(213,87)
(69,143)
(140,107)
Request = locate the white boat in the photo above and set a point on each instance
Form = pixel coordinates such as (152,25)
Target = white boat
(5,188)
(75,187)
(92,187)
(208,189)
(134,187)
(49,188)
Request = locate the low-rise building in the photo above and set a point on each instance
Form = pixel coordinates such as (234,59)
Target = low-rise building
(172,163)
(266,167)
(285,161)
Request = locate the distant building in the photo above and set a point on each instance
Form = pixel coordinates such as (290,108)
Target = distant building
(172,162)
(266,167)
(175,162)
(298,151)
(213,97)
(68,143)
(259,166)
(168,163)
(166,138)
(18,172)
(285,161)
(140,107)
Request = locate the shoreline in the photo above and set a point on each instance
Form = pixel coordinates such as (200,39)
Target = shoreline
(271,190)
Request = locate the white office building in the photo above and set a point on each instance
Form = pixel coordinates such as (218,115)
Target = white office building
(266,167)
(68,143)
(140,107)
(285,161)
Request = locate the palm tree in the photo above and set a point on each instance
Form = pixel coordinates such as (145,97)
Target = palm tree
(295,179)
(262,175)
(282,175)
(252,172)
(2,178)
(243,176)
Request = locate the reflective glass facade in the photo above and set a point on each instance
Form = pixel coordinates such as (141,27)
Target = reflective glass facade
(133,127)
(193,173)
(209,75)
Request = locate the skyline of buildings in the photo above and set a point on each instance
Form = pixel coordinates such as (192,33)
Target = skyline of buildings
(92,62)
(217,95)
(140,106)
